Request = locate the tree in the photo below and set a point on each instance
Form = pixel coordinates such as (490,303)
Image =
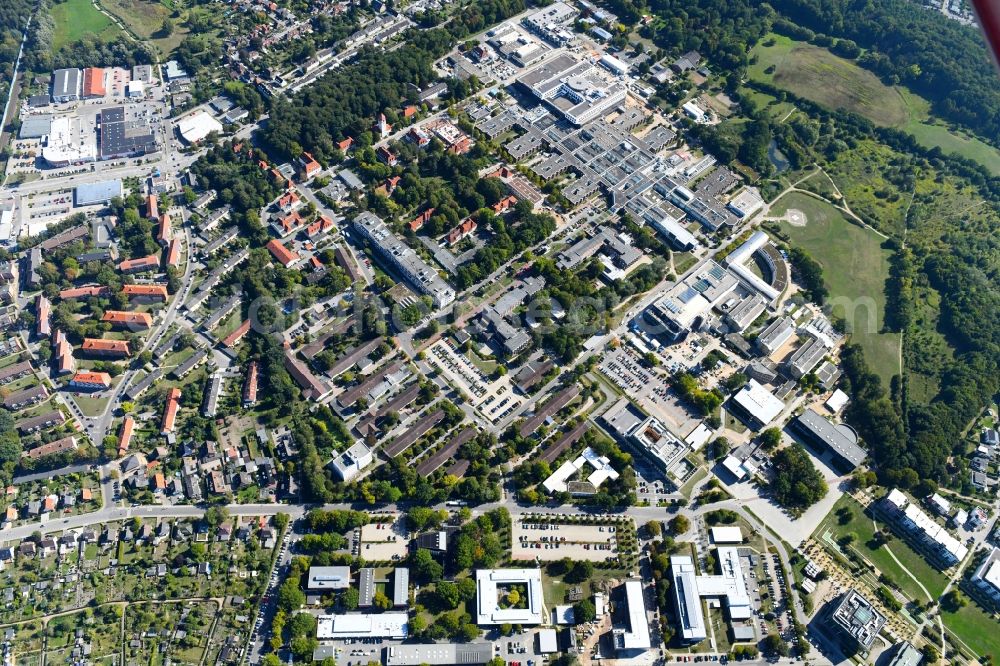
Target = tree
(425,567)
(796,483)
(216,515)
(584,611)
(290,597)
(775,644)
(654,529)
(581,571)
(381,601)
(679,525)
(167,27)
(953,601)
(770,439)
(350,598)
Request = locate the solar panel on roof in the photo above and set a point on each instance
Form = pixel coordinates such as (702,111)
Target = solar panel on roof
(702,285)
(717,272)
(687,295)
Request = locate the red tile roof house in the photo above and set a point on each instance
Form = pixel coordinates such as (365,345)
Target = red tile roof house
(345,145)
(308,166)
(281,253)
(420,220)
(174,253)
(129,320)
(152,292)
(466,227)
(142,264)
(106,348)
(152,207)
(164,234)
(125,436)
(386,156)
(91,381)
(170,411)
(85,292)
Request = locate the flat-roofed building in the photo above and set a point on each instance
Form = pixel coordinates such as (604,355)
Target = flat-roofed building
(439,654)
(806,358)
(401,587)
(329,578)
(360,625)
(755,405)
(635,637)
(679,311)
(986,579)
(366,587)
(489,583)
(775,335)
(841,439)
(687,603)
(922,531)
(857,619)
(66,85)
(349,464)
(404,259)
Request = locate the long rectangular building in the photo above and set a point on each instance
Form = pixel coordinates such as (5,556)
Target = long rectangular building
(840,440)
(404,259)
(550,408)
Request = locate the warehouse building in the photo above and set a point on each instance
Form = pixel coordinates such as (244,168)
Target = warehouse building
(360,625)
(102,192)
(755,405)
(119,137)
(439,654)
(66,85)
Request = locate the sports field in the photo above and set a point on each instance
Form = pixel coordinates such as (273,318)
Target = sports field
(855,268)
(76,18)
(816,74)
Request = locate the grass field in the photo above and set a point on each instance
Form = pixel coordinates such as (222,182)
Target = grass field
(972,626)
(816,74)
(76,18)
(855,268)
(145,19)
(862,527)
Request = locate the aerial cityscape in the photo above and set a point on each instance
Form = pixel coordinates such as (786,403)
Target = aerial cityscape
(506,333)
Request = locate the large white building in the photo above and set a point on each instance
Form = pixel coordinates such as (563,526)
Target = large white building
(489,586)
(636,637)
(404,259)
(986,580)
(198,125)
(360,625)
(679,310)
(578,90)
(352,462)
(756,405)
(729,586)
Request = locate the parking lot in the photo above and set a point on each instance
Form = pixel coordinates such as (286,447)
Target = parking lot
(547,541)
(384,541)
(494,399)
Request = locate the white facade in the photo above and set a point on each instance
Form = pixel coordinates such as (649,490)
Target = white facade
(488,610)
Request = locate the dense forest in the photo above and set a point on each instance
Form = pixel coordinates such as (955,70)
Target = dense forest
(13,18)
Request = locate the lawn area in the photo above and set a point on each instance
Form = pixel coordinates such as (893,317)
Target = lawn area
(862,527)
(816,74)
(974,628)
(855,268)
(75,18)
(145,19)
